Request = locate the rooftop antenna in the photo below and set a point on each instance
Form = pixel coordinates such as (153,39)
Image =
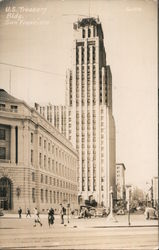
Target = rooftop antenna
(10,80)
(89,7)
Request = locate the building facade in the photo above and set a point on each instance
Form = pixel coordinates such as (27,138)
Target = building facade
(38,165)
(120,181)
(89,95)
(58,115)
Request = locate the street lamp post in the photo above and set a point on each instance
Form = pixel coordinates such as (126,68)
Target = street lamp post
(68,207)
(128,205)
(111,215)
(129,212)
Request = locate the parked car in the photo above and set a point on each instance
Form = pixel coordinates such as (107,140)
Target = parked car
(1,212)
(86,211)
(151,213)
(101,212)
(120,212)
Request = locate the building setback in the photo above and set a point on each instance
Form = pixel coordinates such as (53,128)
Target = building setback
(38,165)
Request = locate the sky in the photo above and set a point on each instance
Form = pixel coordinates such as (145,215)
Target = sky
(38,35)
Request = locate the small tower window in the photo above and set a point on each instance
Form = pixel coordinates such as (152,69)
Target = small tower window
(83,33)
(89,32)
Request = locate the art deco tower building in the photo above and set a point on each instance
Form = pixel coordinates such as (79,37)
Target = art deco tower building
(89,99)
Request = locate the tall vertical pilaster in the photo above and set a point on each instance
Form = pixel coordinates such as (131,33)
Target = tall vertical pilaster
(13,146)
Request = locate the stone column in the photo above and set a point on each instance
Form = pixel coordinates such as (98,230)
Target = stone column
(12,158)
(20,145)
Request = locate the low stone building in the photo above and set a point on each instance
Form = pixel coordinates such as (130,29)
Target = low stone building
(38,165)
(120,181)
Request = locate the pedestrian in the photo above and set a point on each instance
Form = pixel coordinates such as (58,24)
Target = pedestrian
(51,216)
(62,213)
(20,212)
(28,212)
(36,217)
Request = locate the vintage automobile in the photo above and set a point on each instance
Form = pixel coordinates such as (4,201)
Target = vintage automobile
(1,212)
(101,212)
(120,212)
(151,213)
(86,211)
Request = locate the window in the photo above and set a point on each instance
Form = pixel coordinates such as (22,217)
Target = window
(45,144)
(88,54)
(33,176)
(40,159)
(54,182)
(94,55)
(31,137)
(31,157)
(41,178)
(49,162)
(50,196)
(2,153)
(53,166)
(46,195)
(52,149)
(77,55)
(42,195)
(40,141)
(14,108)
(54,197)
(45,179)
(89,32)
(83,33)
(82,55)
(2,106)
(2,134)
(49,146)
(33,194)
(44,161)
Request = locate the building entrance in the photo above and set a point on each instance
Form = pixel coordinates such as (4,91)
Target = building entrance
(5,193)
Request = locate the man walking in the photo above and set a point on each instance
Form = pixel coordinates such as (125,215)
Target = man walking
(62,213)
(20,212)
(36,217)
(28,212)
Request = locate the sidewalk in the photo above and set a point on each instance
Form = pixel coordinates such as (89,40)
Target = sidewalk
(122,221)
(136,220)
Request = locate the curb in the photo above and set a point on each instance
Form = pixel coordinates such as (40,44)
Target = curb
(125,226)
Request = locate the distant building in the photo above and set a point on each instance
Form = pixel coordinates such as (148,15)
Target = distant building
(155,187)
(58,115)
(38,165)
(120,181)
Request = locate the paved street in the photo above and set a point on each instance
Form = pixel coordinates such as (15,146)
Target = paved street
(95,233)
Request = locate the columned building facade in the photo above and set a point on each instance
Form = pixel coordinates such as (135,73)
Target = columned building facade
(38,165)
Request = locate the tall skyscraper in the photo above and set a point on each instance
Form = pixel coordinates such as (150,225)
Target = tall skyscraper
(89,97)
